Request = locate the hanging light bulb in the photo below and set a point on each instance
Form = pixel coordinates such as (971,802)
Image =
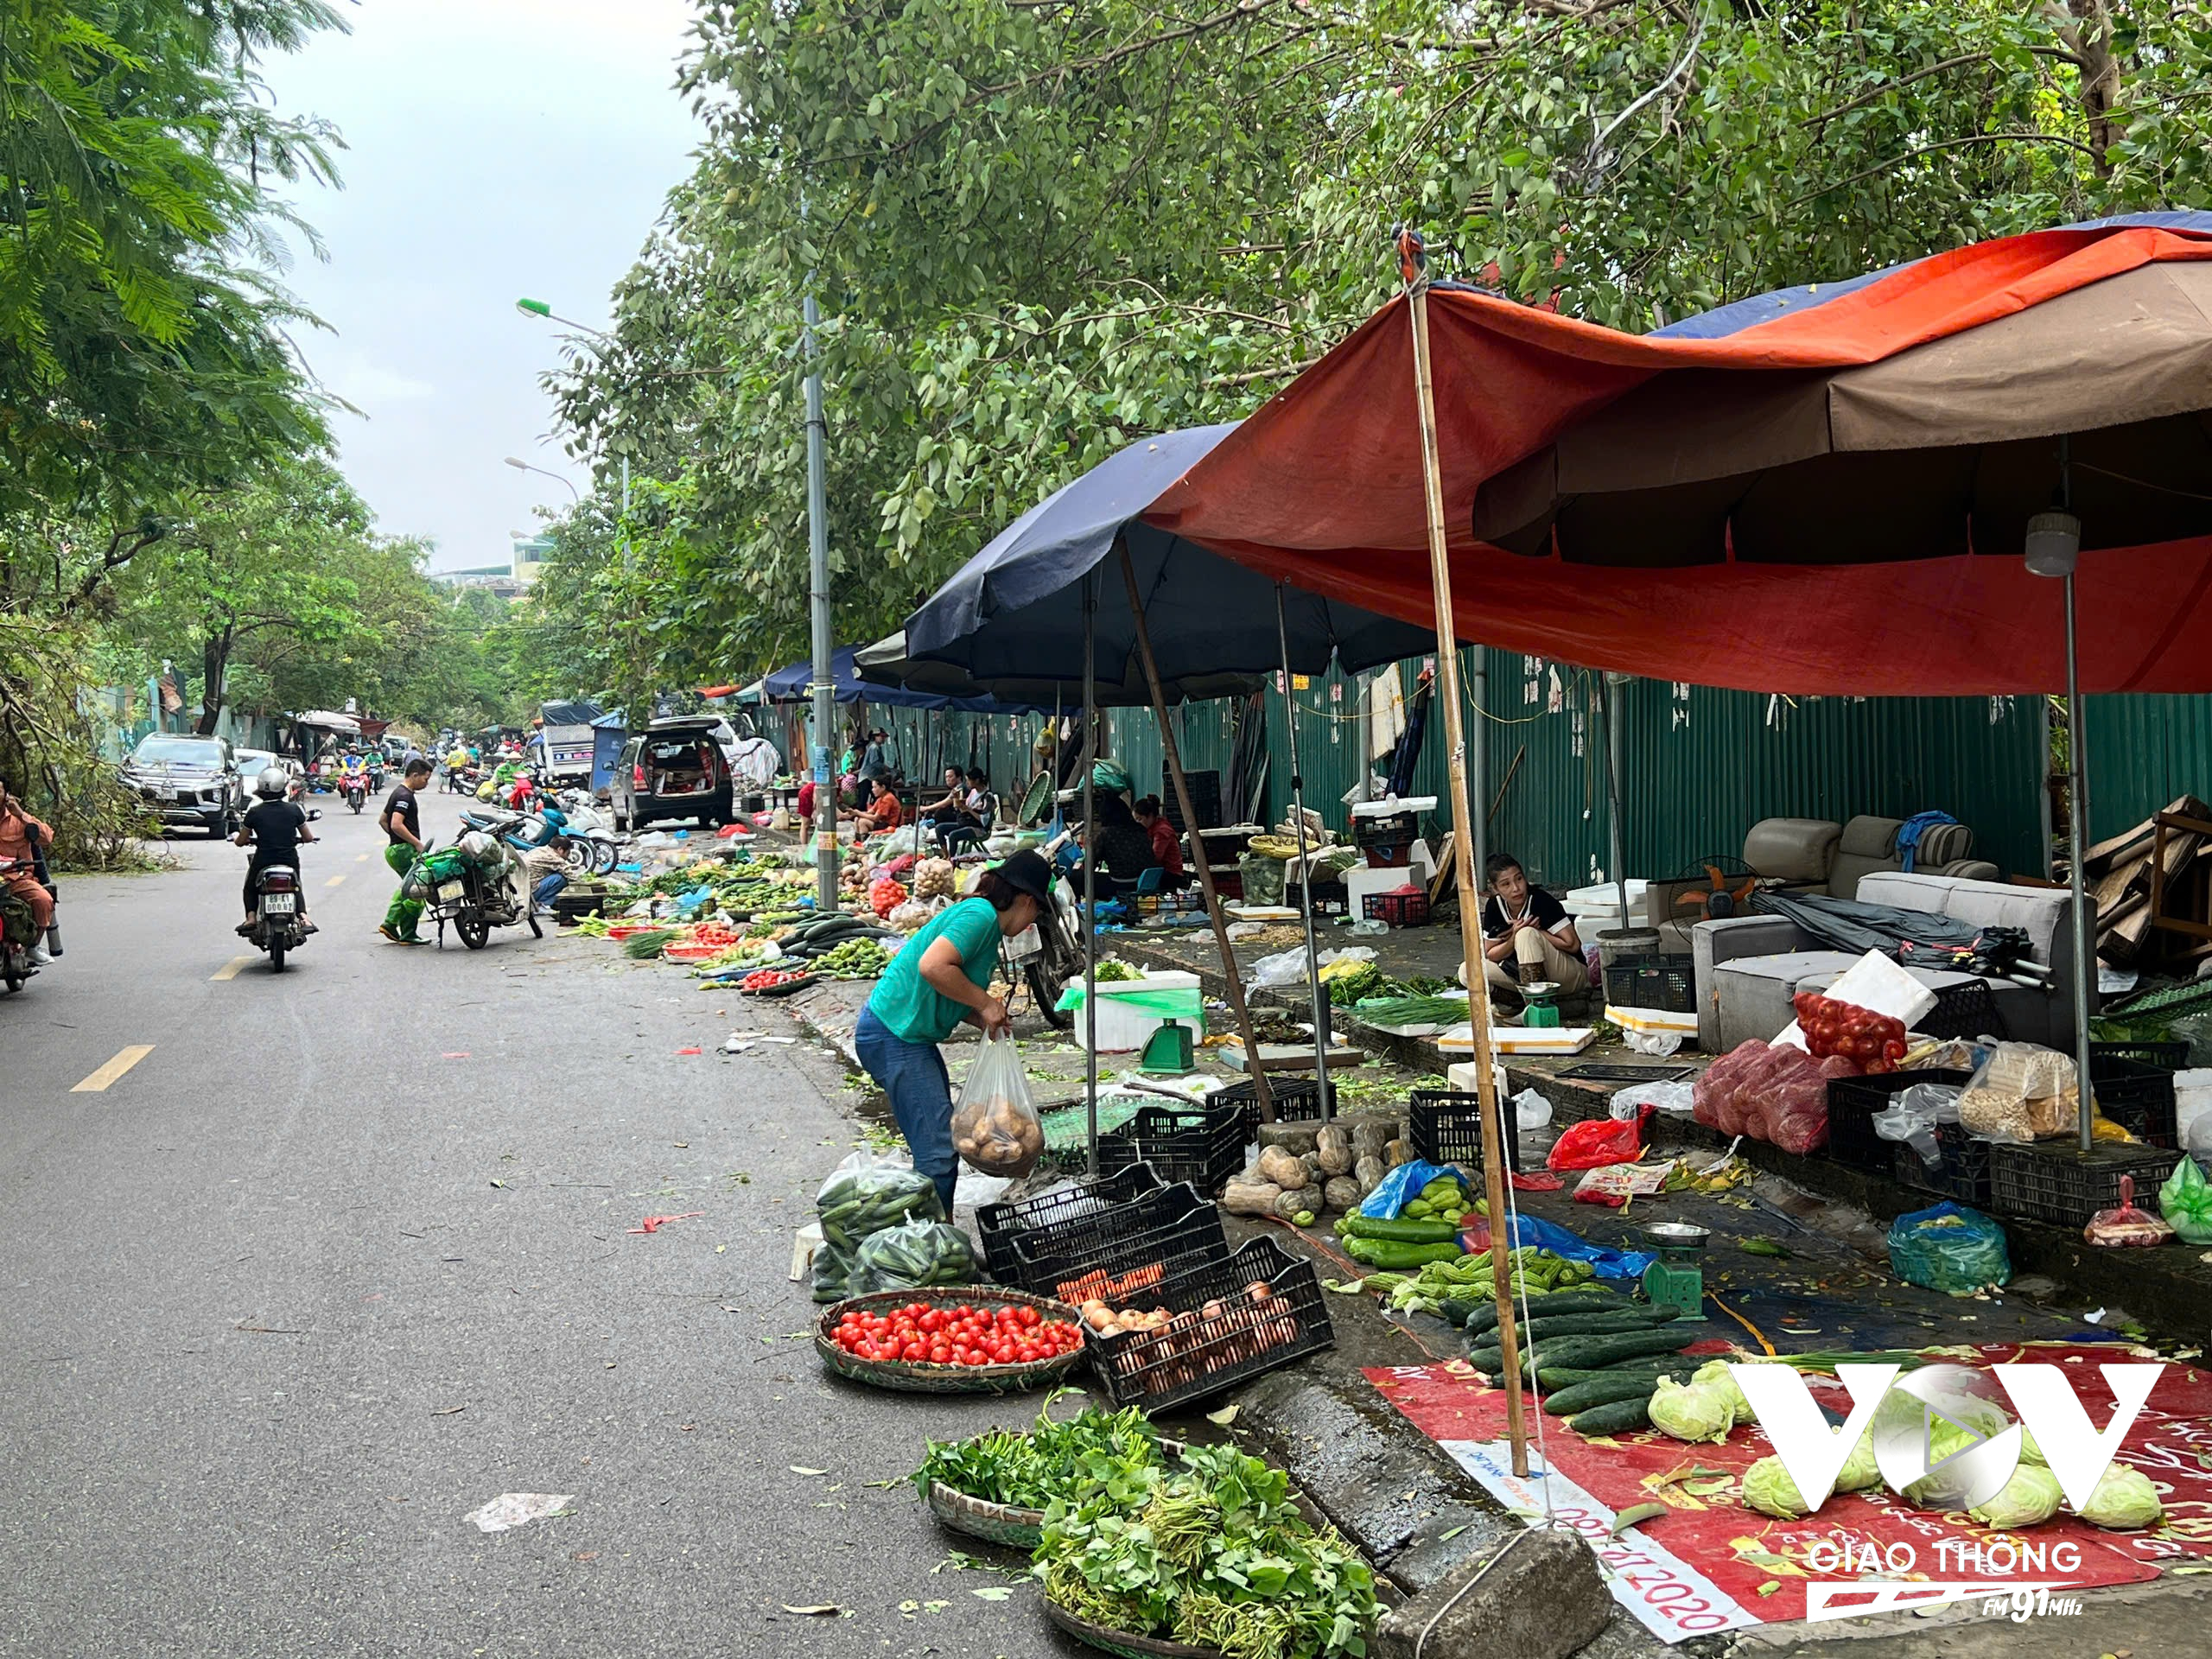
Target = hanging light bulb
(2054,540)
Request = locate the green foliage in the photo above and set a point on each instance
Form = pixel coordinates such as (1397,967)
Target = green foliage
(1040,231)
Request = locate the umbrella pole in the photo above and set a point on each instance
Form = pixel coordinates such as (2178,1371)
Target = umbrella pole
(1305,870)
(1174,758)
(2084,956)
(1091,874)
(1463,844)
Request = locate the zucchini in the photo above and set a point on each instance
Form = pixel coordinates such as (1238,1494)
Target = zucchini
(1566,1377)
(1590,1352)
(1616,1418)
(1395,1255)
(1543,1327)
(1567,1301)
(1603,1391)
(1401,1231)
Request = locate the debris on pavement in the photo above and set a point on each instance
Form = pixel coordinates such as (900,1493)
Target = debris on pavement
(512,1509)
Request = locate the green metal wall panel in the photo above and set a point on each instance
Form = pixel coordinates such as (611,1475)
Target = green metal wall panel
(2144,752)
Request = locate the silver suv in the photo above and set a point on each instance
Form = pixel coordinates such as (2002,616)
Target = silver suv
(187,780)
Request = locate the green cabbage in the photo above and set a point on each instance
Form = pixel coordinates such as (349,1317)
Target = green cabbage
(2029,1499)
(1716,1374)
(1768,1488)
(2030,1452)
(1859,1470)
(1977,1419)
(2123,1500)
(1691,1413)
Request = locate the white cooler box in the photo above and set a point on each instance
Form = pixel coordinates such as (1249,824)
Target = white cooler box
(1130,1010)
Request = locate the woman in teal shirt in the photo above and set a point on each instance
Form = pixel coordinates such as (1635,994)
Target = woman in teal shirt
(940,977)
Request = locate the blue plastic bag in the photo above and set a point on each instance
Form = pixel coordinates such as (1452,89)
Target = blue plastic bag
(1401,1185)
(1559,1240)
(1949,1247)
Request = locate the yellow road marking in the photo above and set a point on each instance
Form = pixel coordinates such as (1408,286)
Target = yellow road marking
(230,970)
(361,858)
(333,881)
(115,1068)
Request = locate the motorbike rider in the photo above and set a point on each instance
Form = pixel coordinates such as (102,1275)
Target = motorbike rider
(21,836)
(275,827)
(456,763)
(401,821)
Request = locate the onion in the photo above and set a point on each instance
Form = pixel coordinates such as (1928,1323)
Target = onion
(1260,1290)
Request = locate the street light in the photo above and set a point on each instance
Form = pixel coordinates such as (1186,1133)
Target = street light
(531,308)
(522,466)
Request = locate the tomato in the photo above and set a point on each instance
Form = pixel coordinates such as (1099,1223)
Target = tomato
(1027,1315)
(1001,1352)
(913,1351)
(932,1320)
(940,1354)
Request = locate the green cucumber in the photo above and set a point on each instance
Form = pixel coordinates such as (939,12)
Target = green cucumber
(1573,1301)
(1542,1325)
(1401,1231)
(1566,1377)
(1617,1418)
(1395,1255)
(1590,1352)
(1568,1402)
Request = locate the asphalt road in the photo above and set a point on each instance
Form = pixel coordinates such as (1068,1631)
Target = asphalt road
(346,1254)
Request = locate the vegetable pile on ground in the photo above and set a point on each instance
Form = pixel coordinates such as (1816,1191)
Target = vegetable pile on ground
(1067,1461)
(1331,1166)
(918,1334)
(767,979)
(853,959)
(1452,1288)
(1113,970)
(1349,984)
(1210,1551)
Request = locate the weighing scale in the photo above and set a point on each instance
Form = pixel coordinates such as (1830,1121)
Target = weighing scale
(1541,998)
(1168,1053)
(1676,1280)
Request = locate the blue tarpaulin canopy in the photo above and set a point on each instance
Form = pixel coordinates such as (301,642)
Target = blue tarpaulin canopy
(1014,612)
(787,684)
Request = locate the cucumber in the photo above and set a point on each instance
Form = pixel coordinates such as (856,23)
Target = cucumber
(1394,1255)
(1618,1418)
(1591,1352)
(1568,1402)
(1542,1324)
(1566,1377)
(1571,1301)
(1403,1231)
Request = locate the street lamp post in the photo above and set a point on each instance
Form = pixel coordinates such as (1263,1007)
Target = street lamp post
(531,308)
(522,466)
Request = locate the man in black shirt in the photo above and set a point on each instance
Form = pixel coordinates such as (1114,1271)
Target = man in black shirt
(401,819)
(1527,936)
(276,828)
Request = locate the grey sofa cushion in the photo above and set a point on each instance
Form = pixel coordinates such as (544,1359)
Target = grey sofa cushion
(1864,836)
(1792,850)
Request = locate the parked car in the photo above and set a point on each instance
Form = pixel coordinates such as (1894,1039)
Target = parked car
(253,762)
(187,780)
(673,769)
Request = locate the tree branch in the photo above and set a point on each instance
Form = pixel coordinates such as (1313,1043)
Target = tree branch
(1945,144)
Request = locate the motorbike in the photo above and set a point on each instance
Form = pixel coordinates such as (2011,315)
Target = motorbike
(476,885)
(356,785)
(593,847)
(1048,954)
(279,928)
(18,940)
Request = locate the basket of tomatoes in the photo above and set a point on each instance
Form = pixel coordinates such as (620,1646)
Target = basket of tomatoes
(774,981)
(959,1340)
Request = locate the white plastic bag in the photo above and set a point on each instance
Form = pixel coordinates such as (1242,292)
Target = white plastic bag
(995,1128)
(1531,1110)
(1284,968)
(1675,1099)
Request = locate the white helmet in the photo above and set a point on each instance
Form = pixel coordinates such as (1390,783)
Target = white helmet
(271,783)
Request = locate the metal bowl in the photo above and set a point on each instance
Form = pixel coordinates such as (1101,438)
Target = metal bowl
(1676,1235)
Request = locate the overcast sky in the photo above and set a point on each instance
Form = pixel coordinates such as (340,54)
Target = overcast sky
(496,148)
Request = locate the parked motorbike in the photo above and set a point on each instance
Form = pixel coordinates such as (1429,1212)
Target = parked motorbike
(1048,954)
(279,927)
(18,940)
(476,885)
(593,847)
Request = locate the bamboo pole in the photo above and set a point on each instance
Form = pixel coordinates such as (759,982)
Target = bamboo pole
(1174,758)
(1411,262)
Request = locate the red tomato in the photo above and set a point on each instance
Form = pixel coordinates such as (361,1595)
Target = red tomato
(940,1354)
(932,1320)
(1002,1351)
(1029,1315)
(913,1351)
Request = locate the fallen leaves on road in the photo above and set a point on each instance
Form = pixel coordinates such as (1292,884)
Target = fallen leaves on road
(447,1411)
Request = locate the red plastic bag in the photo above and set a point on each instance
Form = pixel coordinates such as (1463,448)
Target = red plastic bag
(1874,1042)
(1596,1142)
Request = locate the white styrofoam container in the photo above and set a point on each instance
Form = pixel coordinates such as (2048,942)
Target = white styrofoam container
(1124,1026)
(1360,880)
(1521,1039)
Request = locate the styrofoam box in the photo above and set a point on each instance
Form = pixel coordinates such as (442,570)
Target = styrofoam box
(1124,1024)
(1360,879)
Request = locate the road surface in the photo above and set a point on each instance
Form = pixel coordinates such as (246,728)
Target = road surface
(301,1269)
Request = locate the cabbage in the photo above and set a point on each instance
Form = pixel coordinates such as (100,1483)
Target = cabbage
(2123,1500)
(1768,1488)
(2029,1499)
(1716,1374)
(2030,1452)
(1977,1419)
(1859,1470)
(1691,1413)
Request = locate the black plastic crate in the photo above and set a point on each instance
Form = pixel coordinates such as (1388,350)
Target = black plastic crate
(1155,1227)
(1667,984)
(2057,1182)
(1853,1104)
(1963,1175)
(1446,1127)
(2165,1057)
(1397,909)
(1330,898)
(2138,1098)
(998,1224)
(1204,1356)
(1964,1010)
(1397,830)
(1297,1100)
(1202,1145)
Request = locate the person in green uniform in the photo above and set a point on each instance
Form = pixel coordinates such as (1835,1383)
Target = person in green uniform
(401,823)
(940,977)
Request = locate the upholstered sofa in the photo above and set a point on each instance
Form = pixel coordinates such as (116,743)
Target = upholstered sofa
(1749,967)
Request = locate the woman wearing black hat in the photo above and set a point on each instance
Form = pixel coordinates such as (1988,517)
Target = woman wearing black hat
(940,977)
